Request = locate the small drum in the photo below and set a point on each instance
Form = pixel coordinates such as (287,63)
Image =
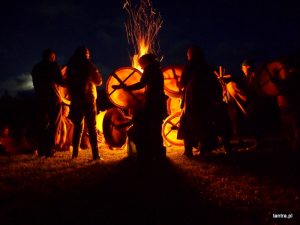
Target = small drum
(119,97)
(172,75)
(170,129)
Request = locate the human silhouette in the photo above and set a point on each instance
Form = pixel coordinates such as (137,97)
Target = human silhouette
(83,76)
(45,76)
(201,93)
(149,115)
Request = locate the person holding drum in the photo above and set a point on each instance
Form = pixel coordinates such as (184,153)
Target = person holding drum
(83,77)
(148,116)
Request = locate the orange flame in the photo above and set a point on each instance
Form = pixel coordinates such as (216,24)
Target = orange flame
(142,28)
(143,49)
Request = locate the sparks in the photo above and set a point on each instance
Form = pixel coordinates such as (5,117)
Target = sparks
(142,28)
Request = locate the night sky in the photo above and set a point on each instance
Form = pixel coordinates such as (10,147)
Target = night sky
(228,31)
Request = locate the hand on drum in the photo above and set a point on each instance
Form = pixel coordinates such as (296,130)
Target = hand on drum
(120,86)
(115,86)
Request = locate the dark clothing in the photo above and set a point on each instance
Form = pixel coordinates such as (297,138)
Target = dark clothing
(45,75)
(83,77)
(148,119)
(202,94)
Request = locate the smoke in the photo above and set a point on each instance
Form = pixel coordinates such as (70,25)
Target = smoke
(14,85)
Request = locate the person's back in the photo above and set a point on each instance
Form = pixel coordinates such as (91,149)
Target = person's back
(83,77)
(154,94)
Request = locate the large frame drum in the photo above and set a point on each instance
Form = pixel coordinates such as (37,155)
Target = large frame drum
(173,105)
(119,97)
(106,124)
(172,75)
(170,129)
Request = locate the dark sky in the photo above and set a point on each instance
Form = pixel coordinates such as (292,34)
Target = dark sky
(228,31)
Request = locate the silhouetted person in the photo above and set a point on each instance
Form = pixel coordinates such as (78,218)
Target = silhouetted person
(257,106)
(286,76)
(240,88)
(148,117)
(201,91)
(83,77)
(45,75)
(7,142)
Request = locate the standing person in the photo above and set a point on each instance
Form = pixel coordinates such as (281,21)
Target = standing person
(148,118)
(45,76)
(200,98)
(257,106)
(83,77)
(239,99)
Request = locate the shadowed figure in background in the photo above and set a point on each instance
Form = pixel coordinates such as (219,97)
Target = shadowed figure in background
(257,106)
(148,117)
(65,132)
(240,98)
(201,93)
(83,77)
(45,76)
(286,76)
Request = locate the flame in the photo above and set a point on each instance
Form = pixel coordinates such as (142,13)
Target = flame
(143,49)
(142,28)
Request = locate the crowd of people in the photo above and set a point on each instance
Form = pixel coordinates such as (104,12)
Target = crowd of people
(212,107)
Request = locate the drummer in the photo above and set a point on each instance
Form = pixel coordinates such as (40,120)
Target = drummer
(148,118)
(256,105)
(240,99)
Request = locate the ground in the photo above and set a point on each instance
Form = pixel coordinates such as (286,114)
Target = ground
(247,187)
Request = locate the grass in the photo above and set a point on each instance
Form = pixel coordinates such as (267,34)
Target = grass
(244,188)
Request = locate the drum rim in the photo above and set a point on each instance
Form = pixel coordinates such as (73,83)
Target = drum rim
(175,114)
(107,82)
(171,93)
(106,129)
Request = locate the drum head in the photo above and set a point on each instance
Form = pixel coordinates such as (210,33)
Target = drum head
(115,137)
(264,78)
(172,75)
(170,129)
(173,105)
(120,98)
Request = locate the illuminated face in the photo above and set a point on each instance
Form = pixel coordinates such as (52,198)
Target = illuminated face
(246,69)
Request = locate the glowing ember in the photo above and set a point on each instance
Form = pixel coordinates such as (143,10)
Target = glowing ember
(142,28)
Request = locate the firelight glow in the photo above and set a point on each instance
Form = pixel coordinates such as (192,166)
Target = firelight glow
(142,28)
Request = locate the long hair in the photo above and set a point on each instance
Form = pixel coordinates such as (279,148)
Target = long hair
(79,56)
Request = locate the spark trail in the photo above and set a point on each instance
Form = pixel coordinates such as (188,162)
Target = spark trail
(142,28)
